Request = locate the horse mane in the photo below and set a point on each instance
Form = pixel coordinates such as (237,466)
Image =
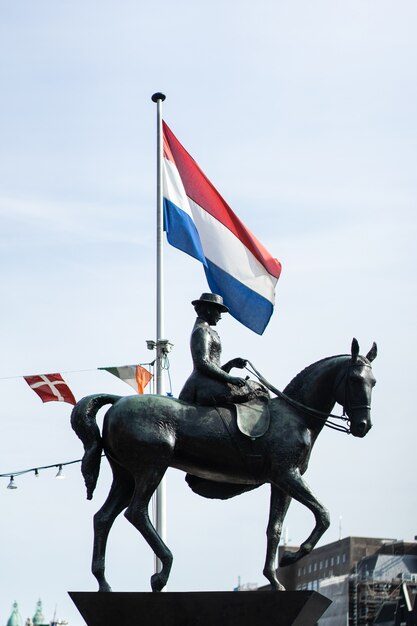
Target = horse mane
(297,382)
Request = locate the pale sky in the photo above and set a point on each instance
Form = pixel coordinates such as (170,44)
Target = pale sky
(303,115)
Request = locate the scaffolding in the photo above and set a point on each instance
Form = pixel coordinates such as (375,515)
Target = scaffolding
(368,595)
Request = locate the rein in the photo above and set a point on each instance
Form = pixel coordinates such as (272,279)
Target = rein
(307,409)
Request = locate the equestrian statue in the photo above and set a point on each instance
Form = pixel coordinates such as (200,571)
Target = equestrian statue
(226,433)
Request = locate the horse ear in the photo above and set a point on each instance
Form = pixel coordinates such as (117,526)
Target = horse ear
(355,349)
(372,352)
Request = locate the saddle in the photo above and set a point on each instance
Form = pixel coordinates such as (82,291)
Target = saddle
(253,418)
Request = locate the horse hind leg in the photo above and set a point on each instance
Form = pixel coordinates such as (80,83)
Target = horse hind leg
(146,484)
(118,499)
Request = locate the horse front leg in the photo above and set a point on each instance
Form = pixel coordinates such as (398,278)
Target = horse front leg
(280,502)
(294,485)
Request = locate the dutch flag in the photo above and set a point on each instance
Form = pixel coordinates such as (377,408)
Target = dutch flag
(199,222)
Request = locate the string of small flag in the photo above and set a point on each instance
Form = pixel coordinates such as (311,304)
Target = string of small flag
(53,387)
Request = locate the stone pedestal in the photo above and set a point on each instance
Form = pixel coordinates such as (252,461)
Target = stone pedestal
(218,608)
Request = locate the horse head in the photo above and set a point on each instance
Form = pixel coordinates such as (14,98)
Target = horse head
(356,392)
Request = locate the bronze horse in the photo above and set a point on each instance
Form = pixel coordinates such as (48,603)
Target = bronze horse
(144,435)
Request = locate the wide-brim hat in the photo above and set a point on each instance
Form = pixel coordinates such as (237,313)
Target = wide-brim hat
(214,299)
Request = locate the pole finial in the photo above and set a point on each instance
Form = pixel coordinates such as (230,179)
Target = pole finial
(158,96)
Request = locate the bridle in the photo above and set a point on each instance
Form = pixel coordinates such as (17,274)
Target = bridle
(321,415)
(345,377)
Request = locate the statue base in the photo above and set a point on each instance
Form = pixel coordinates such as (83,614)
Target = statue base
(222,608)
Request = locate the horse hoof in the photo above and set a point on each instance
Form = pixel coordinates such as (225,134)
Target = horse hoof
(158,582)
(276,586)
(273,580)
(104,588)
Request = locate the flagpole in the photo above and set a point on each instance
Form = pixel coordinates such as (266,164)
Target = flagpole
(160,496)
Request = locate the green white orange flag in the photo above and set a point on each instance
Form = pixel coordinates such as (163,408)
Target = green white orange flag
(134,375)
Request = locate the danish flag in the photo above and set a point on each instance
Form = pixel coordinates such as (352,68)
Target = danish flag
(51,387)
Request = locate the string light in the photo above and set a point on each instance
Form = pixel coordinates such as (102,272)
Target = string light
(60,474)
(36,470)
(12,484)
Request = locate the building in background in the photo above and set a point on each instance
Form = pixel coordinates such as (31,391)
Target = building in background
(359,575)
(38,619)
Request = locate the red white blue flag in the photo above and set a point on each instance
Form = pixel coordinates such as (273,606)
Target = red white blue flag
(198,221)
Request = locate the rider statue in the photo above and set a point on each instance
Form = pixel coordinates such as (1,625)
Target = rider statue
(211,383)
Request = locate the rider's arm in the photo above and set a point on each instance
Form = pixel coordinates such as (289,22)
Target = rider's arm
(200,351)
(238,362)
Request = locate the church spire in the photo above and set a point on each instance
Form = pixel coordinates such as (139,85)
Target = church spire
(15,619)
(38,618)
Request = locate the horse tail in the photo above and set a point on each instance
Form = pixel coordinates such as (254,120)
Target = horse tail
(83,421)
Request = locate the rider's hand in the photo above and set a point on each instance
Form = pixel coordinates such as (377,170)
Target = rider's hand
(235,380)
